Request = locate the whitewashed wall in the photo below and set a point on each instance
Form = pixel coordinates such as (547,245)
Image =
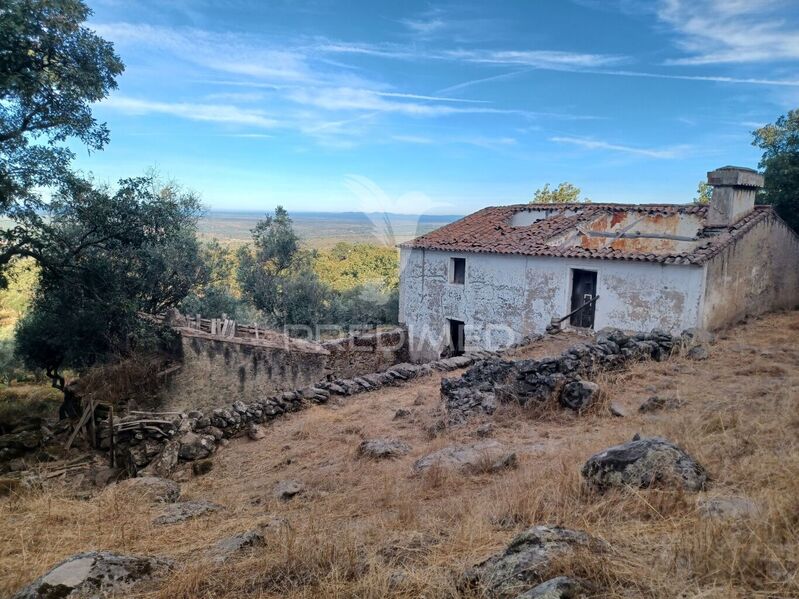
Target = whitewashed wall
(507,297)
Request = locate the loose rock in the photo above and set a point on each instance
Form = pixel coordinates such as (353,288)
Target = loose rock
(227,548)
(644,462)
(196,447)
(485,456)
(579,395)
(288,489)
(401,413)
(255,432)
(727,507)
(698,352)
(656,403)
(93,575)
(185,510)
(562,587)
(526,560)
(202,467)
(380,449)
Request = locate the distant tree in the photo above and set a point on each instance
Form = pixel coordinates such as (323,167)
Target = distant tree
(277,275)
(138,256)
(780,164)
(52,69)
(565,193)
(703,193)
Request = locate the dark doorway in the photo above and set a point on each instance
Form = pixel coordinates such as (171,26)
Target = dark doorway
(583,291)
(456,337)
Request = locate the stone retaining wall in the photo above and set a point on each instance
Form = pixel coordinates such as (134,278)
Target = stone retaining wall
(362,354)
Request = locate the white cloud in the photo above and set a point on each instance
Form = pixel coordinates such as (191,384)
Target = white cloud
(593,144)
(216,113)
(731,31)
(548,59)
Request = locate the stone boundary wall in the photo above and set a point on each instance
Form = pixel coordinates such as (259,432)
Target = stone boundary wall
(155,444)
(560,378)
(213,367)
(372,352)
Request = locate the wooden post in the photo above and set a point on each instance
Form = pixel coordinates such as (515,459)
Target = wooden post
(232,331)
(199,326)
(255,326)
(213,326)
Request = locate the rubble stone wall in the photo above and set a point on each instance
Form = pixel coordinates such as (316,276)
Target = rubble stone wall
(361,354)
(215,369)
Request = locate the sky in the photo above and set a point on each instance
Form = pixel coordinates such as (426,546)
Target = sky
(429,107)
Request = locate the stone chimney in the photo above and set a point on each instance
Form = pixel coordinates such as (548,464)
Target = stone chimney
(734,189)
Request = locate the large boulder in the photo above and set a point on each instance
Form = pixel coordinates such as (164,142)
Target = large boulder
(94,575)
(379,449)
(152,487)
(643,463)
(485,456)
(526,561)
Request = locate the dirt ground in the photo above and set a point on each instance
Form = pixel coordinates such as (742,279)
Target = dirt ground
(373,529)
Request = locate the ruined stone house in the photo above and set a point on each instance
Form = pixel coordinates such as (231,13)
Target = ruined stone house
(505,272)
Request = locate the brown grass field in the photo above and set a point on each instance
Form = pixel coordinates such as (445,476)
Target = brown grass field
(372,529)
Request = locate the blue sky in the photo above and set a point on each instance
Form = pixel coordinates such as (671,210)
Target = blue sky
(441,107)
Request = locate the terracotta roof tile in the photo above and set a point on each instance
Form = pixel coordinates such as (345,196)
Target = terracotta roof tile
(490,231)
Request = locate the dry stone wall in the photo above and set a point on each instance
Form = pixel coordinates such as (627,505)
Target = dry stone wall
(494,381)
(214,369)
(362,354)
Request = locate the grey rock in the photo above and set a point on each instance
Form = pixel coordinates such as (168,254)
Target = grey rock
(698,352)
(644,462)
(485,456)
(255,432)
(562,587)
(526,560)
(94,575)
(227,548)
(185,510)
(201,467)
(401,413)
(484,430)
(152,487)
(617,411)
(727,507)
(579,395)
(165,462)
(288,489)
(196,447)
(379,449)
(657,403)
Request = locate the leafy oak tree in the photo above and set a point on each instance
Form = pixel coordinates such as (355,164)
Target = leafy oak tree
(780,164)
(52,69)
(138,256)
(565,193)
(276,274)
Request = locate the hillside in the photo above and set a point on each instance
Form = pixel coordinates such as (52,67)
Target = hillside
(368,528)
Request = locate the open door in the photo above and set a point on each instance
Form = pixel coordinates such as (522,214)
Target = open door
(583,291)
(456,337)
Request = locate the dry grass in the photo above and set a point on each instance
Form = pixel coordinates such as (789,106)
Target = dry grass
(369,528)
